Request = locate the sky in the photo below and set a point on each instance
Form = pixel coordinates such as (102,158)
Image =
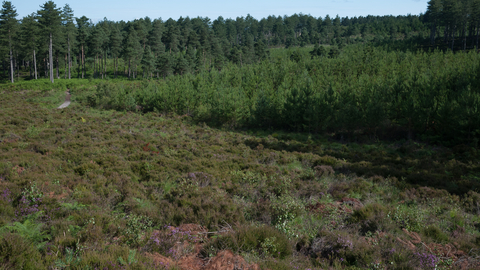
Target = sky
(128,10)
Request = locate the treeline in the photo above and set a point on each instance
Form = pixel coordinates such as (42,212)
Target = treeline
(54,43)
(454,19)
(364,90)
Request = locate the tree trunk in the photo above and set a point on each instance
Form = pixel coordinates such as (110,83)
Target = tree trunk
(17,66)
(105,64)
(433,33)
(45,64)
(11,58)
(58,68)
(453,37)
(50,58)
(83,62)
(95,67)
(477,38)
(129,68)
(69,60)
(35,64)
(445,35)
(65,68)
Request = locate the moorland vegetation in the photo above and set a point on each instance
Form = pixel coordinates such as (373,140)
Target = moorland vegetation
(322,147)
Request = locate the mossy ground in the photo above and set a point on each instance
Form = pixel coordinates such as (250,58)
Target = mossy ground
(83,187)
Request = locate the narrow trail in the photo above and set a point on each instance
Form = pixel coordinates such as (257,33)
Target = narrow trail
(67,100)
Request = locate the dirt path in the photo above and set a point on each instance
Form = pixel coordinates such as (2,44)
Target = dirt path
(67,100)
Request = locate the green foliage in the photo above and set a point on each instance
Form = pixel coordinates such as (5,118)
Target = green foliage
(29,230)
(367,90)
(435,233)
(285,209)
(108,184)
(17,253)
(71,259)
(130,260)
(136,226)
(264,241)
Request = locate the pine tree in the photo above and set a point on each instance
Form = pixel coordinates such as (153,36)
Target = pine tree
(433,16)
(132,50)
(83,26)
(115,46)
(70,32)
(155,39)
(181,65)
(148,61)
(165,64)
(96,41)
(50,21)
(28,33)
(8,26)
(170,39)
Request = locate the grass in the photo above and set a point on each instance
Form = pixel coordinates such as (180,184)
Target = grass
(83,187)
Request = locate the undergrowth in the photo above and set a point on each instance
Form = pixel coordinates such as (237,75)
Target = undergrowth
(84,188)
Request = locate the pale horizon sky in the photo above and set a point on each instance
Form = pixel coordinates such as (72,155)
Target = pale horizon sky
(127,10)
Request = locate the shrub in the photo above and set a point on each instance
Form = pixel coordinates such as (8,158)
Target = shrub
(435,233)
(207,206)
(370,217)
(17,253)
(264,241)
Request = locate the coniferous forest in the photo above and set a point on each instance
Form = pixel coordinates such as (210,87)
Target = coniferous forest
(294,142)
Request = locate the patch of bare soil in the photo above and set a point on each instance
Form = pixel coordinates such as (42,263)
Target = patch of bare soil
(67,100)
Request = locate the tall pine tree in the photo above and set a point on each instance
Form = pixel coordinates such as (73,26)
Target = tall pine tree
(29,37)
(49,19)
(70,33)
(83,25)
(8,25)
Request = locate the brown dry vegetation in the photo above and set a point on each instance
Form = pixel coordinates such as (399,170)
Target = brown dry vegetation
(82,188)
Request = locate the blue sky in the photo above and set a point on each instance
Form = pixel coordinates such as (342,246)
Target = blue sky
(128,10)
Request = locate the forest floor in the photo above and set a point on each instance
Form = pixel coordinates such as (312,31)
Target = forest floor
(81,187)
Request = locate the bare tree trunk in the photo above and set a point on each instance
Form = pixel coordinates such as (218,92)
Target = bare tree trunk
(65,68)
(69,60)
(445,35)
(433,33)
(58,68)
(17,66)
(129,68)
(50,58)
(477,37)
(95,67)
(105,65)
(83,62)
(45,63)
(35,64)
(11,60)
(453,37)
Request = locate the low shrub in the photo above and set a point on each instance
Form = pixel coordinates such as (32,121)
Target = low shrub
(435,234)
(18,253)
(264,241)
(370,217)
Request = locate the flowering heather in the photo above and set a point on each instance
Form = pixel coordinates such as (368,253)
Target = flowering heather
(5,195)
(427,261)
(27,207)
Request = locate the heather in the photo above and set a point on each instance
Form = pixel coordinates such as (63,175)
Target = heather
(97,185)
